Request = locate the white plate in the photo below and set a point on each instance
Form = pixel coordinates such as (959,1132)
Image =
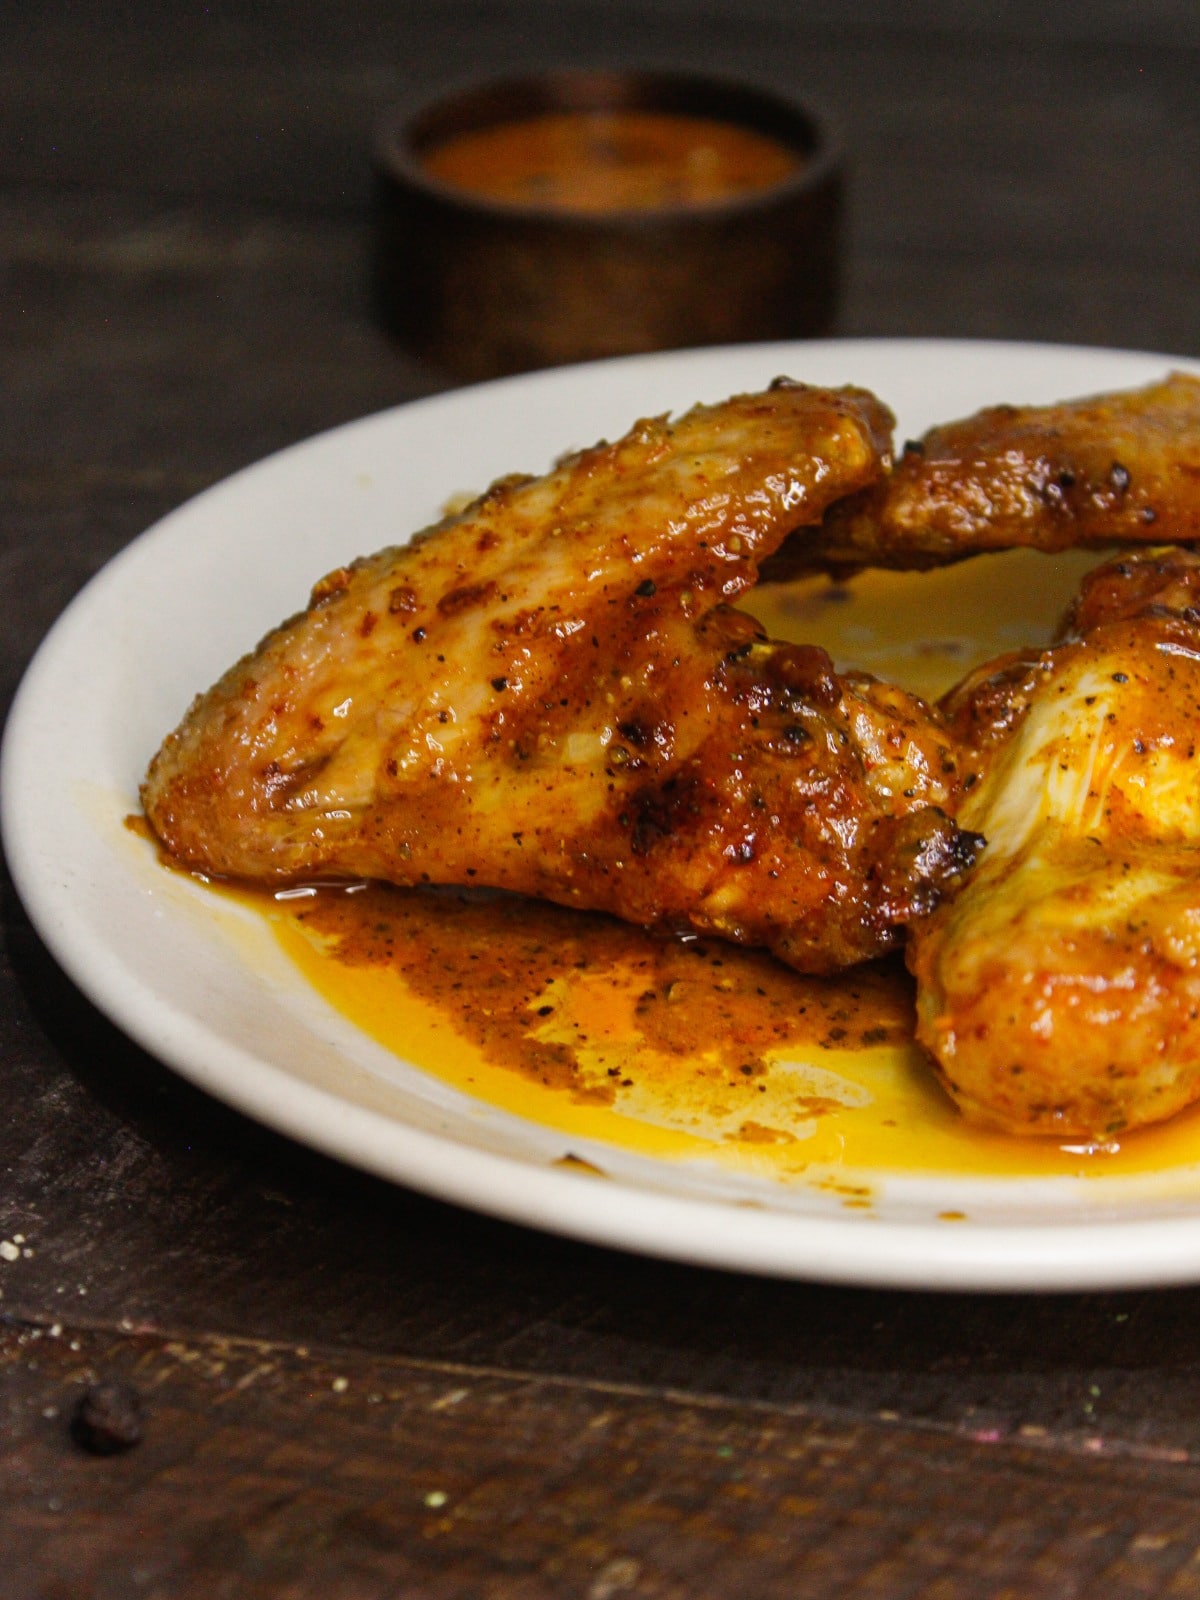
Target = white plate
(205,988)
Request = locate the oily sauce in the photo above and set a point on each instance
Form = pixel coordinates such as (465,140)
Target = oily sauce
(612,161)
(576,1018)
(688,1047)
(672,1047)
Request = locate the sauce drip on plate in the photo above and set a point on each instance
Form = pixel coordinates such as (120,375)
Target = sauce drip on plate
(689,1047)
(663,1046)
(612,161)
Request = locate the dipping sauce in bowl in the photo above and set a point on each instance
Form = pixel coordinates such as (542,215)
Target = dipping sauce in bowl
(597,161)
(527,222)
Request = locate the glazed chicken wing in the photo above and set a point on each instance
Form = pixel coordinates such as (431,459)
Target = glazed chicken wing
(1116,469)
(1059,989)
(550,694)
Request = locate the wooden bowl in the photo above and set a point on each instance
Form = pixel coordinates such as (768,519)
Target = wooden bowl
(480,284)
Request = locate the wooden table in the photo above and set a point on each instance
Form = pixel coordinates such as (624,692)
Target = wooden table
(351,1390)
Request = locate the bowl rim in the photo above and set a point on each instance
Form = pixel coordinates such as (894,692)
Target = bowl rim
(403,131)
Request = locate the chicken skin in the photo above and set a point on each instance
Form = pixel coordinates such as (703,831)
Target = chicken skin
(1115,469)
(551,694)
(1059,988)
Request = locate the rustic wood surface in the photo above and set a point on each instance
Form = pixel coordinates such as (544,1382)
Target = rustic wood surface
(349,1389)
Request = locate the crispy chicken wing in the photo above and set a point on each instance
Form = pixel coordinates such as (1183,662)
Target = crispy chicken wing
(1115,469)
(550,694)
(1059,989)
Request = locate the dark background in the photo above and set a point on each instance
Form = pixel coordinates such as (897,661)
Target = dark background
(183,287)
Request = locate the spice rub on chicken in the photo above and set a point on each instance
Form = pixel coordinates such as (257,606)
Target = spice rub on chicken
(551,694)
(1114,469)
(1058,990)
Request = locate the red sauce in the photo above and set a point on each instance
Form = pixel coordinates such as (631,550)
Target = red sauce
(612,161)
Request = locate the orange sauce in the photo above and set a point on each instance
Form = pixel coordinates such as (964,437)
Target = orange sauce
(612,161)
(661,1046)
(685,1049)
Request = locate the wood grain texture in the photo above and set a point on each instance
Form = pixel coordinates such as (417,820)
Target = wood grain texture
(1045,141)
(298,1470)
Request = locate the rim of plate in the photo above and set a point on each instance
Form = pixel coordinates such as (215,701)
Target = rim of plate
(40,776)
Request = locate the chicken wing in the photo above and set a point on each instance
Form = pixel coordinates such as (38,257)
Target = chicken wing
(1117,469)
(550,694)
(1059,989)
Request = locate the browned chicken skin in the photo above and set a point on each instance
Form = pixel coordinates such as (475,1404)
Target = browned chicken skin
(1110,470)
(1059,988)
(550,694)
